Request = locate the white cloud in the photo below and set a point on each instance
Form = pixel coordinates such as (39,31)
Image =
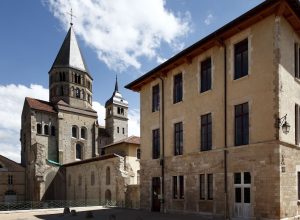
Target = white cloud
(11,102)
(121,32)
(209,19)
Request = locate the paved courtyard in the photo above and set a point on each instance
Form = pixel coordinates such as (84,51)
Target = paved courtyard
(99,213)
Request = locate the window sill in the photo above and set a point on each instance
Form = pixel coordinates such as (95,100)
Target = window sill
(241,78)
(176,103)
(43,135)
(205,92)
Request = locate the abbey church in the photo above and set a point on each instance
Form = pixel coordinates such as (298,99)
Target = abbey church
(67,155)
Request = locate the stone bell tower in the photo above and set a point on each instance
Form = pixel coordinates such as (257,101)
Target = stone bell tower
(116,121)
(69,79)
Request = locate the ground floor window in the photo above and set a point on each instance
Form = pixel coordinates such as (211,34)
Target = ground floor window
(178,187)
(206,186)
(242,194)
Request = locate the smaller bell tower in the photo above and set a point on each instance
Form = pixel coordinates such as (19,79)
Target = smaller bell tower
(116,121)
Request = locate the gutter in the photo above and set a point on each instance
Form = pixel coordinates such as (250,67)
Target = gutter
(162,160)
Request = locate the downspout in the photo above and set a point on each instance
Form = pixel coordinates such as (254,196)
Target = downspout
(227,214)
(162,160)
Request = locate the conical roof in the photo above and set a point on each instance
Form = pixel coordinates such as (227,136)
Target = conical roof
(69,54)
(116,97)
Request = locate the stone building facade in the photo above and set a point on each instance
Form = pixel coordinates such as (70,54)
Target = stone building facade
(64,133)
(220,121)
(12,185)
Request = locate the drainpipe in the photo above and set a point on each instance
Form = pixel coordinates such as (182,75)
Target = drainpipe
(162,160)
(227,214)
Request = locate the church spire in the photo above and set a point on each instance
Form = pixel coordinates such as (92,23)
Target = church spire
(116,85)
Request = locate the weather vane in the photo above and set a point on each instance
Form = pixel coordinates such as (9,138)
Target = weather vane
(71,15)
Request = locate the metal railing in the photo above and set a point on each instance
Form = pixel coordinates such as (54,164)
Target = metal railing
(27,205)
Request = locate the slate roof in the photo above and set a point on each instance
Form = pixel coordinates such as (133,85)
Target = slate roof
(40,105)
(70,54)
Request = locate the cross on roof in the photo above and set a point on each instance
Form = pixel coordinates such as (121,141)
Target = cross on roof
(71,15)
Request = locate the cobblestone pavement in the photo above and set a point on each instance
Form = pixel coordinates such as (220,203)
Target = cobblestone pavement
(99,213)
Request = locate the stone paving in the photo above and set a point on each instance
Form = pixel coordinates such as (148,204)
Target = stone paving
(99,213)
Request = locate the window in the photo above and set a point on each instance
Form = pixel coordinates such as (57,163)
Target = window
(155,98)
(92,178)
(242,186)
(202,186)
(62,76)
(241,59)
(74,132)
(178,187)
(83,133)
(241,124)
(77,93)
(206,132)
(118,129)
(298,180)
(205,75)
(155,144)
(53,130)
(178,139)
(61,90)
(39,128)
(46,129)
(177,90)
(78,152)
(138,153)
(123,130)
(107,175)
(297,60)
(10,179)
(297,124)
(209,186)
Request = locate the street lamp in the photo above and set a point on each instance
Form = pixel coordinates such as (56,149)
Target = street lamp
(282,122)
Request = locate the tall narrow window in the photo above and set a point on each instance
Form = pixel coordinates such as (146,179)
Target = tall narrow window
(83,133)
(155,98)
(297,124)
(202,186)
(297,60)
(178,187)
(177,90)
(241,59)
(74,132)
(53,130)
(298,184)
(10,180)
(123,130)
(107,175)
(206,132)
(178,139)
(138,153)
(118,129)
(46,129)
(78,152)
(155,144)
(241,124)
(205,75)
(39,128)
(77,93)
(209,186)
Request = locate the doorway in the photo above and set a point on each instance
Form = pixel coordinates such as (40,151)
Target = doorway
(156,194)
(242,195)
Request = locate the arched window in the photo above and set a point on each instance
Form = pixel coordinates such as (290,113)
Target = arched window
(119,110)
(83,133)
(78,151)
(138,153)
(107,195)
(74,132)
(39,128)
(77,93)
(53,130)
(92,178)
(107,175)
(118,129)
(123,130)
(46,130)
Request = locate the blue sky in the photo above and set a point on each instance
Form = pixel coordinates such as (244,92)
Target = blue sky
(32,32)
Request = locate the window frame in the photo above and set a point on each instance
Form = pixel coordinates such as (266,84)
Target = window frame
(177,88)
(240,49)
(202,187)
(39,129)
(206,75)
(178,138)
(242,129)
(206,132)
(210,186)
(178,187)
(156,143)
(78,151)
(155,98)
